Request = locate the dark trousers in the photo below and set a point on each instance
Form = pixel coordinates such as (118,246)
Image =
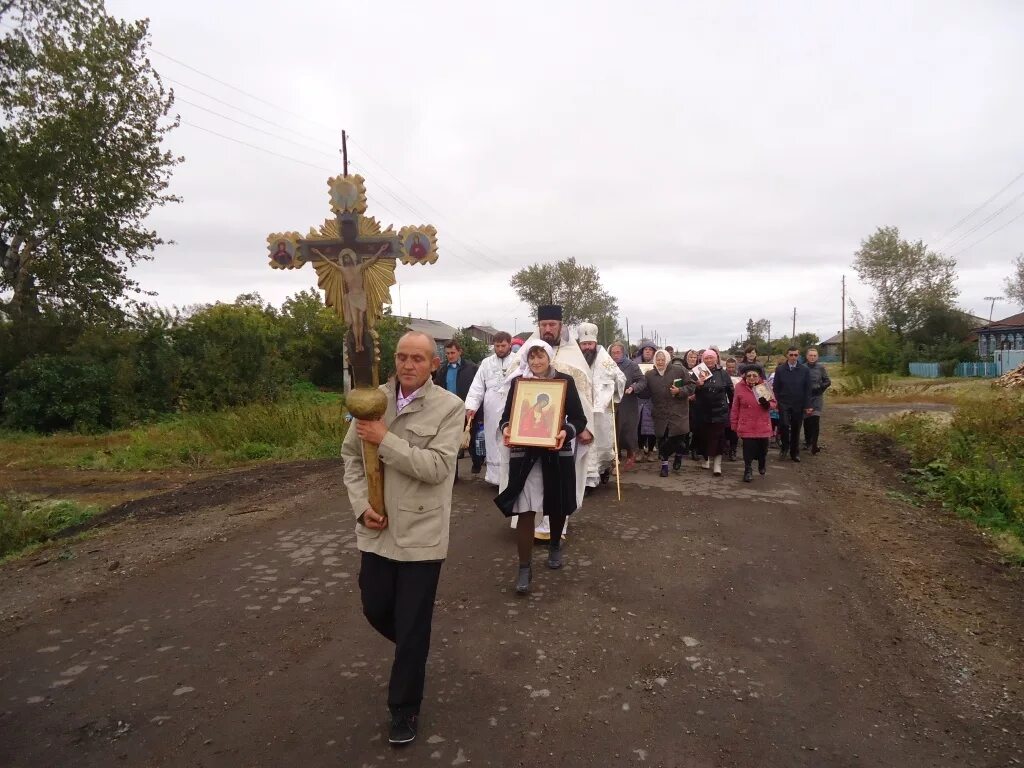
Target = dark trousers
(812,428)
(647,442)
(755,449)
(732,441)
(669,446)
(398,601)
(790,420)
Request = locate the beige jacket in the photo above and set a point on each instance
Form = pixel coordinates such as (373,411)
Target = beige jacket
(418,456)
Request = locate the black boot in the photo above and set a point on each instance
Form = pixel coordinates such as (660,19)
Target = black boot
(748,474)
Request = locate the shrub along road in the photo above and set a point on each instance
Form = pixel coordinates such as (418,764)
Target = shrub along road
(808,619)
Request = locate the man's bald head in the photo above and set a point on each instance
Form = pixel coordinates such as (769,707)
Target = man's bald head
(415,359)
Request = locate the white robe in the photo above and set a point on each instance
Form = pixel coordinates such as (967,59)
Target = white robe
(569,360)
(607,385)
(489,390)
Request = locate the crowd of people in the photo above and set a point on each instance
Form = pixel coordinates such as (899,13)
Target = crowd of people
(619,407)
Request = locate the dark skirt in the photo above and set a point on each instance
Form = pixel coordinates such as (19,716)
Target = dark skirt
(558,471)
(713,435)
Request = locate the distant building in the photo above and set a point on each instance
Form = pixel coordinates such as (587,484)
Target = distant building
(440,332)
(484,333)
(832,348)
(1007,333)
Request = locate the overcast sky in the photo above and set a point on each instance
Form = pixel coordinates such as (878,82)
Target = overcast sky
(717,161)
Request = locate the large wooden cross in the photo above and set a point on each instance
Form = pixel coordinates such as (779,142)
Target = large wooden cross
(355,263)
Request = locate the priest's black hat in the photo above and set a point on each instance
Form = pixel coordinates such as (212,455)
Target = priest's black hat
(549,312)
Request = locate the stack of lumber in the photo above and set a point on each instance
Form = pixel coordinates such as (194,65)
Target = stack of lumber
(1012,379)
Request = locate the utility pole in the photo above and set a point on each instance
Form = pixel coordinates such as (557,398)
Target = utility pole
(793,337)
(843,347)
(769,362)
(627,337)
(992,306)
(344,152)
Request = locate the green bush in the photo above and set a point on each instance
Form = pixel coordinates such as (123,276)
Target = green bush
(47,393)
(231,355)
(975,464)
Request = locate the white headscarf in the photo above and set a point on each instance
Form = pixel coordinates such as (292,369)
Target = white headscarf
(524,358)
(668,361)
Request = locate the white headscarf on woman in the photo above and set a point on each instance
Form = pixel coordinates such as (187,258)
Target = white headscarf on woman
(524,359)
(665,357)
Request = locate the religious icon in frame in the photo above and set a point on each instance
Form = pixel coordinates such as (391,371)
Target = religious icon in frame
(538,412)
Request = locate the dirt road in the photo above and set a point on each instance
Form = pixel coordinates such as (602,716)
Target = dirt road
(808,619)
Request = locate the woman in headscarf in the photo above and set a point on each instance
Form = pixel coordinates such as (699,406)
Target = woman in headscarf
(692,441)
(648,439)
(668,388)
(714,396)
(627,413)
(540,479)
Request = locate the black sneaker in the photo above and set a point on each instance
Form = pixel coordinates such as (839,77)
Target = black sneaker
(748,475)
(403,730)
(523,579)
(555,558)
(678,462)
(761,469)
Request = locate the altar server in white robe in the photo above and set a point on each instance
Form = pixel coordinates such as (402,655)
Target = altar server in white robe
(607,385)
(488,391)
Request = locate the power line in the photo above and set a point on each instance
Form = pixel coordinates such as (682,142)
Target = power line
(981,207)
(986,237)
(985,221)
(255,146)
(448,235)
(269,103)
(254,128)
(245,111)
(237,89)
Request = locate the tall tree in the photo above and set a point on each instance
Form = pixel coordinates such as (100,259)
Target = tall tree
(83,115)
(909,280)
(577,288)
(1015,282)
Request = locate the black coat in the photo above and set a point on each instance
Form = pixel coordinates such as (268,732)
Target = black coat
(557,467)
(714,398)
(463,381)
(793,386)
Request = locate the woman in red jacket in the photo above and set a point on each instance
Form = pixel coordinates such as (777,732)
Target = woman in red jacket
(750,419)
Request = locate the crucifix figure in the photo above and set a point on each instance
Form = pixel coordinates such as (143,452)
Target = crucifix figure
(354,303)
(355,258)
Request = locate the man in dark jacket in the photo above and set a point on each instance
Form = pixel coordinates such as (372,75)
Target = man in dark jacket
(457,375)
(793,393)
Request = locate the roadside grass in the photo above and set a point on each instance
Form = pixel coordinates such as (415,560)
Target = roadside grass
(882,388)
(299,428)
(972,463)
(26,522)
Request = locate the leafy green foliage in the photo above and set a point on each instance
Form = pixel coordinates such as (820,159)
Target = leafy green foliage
(577,288)
(231,355)
(1015,282)
(472,348)
(389,331)
(974,464)
(314,339)
(83,115)
(910,282)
